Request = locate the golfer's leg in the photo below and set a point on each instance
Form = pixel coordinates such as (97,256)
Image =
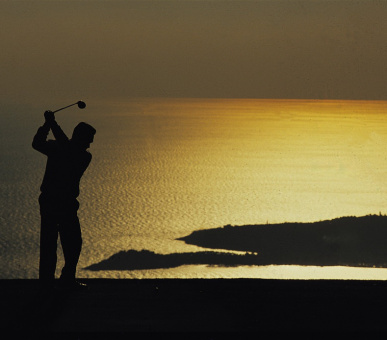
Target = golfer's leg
(48,246)
(71,240)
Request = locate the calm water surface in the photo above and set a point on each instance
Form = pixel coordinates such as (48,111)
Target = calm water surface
(163,168)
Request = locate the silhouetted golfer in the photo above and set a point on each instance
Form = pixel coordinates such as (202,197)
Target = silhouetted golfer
(66,162)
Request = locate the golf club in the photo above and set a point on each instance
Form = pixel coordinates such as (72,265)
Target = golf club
(80,104)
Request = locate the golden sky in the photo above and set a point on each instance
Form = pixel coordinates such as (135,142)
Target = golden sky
(69,50)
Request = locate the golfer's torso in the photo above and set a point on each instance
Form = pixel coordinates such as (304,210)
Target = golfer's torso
(64,169)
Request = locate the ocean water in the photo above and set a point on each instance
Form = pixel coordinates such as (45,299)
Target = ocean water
(163,168)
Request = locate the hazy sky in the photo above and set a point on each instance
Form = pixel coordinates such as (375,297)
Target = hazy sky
(65,50)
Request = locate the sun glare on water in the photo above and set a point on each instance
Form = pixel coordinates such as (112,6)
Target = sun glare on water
(183,165)
(164,168)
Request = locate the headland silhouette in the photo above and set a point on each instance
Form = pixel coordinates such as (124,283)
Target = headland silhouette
(345,241)
(145,259)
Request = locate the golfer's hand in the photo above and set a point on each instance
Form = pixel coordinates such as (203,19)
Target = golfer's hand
(49,116)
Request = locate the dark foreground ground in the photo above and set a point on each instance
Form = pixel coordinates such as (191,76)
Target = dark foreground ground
(139,308)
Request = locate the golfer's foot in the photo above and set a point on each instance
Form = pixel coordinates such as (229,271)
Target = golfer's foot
(73,285)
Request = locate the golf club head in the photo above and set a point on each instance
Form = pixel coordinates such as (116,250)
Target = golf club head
(81,104)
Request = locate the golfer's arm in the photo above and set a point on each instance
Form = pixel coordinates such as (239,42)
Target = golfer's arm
(39,142)
(58,133)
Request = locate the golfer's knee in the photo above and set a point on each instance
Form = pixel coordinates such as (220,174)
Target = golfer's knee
(78,242)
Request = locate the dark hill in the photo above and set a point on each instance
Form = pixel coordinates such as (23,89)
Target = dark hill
(349,241)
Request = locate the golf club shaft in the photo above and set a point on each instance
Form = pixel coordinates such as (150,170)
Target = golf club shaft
(65,107)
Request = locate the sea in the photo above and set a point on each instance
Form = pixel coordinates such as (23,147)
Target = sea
(164,167)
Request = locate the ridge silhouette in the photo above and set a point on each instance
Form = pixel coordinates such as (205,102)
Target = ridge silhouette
(345,241)
(145,259)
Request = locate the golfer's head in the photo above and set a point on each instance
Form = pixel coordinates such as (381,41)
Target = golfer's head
(83,135)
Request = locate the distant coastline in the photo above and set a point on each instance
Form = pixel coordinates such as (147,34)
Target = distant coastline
(344,241)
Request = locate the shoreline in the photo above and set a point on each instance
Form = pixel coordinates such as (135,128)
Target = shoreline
(344,241)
